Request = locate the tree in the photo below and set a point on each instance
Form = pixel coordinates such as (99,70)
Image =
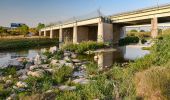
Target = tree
(40,26)
(3,31)
(142,30)
(24,29)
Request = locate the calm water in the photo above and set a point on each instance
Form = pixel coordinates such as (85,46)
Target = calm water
(126,53)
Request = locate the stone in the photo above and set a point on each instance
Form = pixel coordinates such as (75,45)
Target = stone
(37,60)
(33,67)
(38,73)
(53,49)
(95,58)
(76,61)
(44,66)
(23,77)
(62,62)
(79,74)
(67,59)
(54,62)
(49,95)
(69,65)
(78,64)
(74,56)
(12,97)
(67,54)
(49,70)
(81,81)
(21,84)
(9,82)
(66,88)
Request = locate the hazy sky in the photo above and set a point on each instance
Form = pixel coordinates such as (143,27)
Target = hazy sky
(32,12)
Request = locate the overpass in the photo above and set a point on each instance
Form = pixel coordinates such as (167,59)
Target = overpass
(110,28)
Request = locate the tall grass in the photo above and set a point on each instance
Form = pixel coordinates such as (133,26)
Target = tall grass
(83,46)
(23,43)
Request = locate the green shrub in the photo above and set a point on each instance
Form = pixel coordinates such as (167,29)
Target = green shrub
(59,54)
(62,74)
(128,40)
(83,46)
(92,68)
(143,41)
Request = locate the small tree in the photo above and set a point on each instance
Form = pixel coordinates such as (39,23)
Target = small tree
(24,29)
(40,26)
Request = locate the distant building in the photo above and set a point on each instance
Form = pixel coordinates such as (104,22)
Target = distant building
(16,25)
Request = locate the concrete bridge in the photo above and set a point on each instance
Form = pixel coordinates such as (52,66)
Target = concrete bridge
(110,28)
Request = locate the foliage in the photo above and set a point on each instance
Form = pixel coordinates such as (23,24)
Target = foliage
(39,84)
(24,43)
(83,46)
(143,41)
(58,54)
(8,71)
(92,68)
(40,26)
(24,29)
(128,40)
(62,74)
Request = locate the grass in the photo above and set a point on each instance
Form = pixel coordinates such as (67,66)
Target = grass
(82,47)
(24,43)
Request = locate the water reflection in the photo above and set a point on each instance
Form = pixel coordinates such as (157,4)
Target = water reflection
(121,54)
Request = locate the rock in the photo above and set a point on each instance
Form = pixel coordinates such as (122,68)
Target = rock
(34,67)
(10,76)
(23,77)
(14,63)
(81,81)
(62,62)
(78,64)
(74,56)
(9,82)
(53,62)
(49,95)
(21,84)
(21,72)
(44,66)
(12,97)
(69,65)
(39,73)
(27,66)
(37,60)
(49,70)
(53,49)
(79,74)
(76,61)
(67,88)
(95,58)
(67,59)
(67,54)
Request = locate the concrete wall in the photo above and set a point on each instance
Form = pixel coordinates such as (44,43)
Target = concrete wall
(55,34)
(82,33)
(67,34)
(92,33)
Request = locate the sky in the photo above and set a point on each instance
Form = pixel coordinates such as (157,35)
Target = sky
(32,12)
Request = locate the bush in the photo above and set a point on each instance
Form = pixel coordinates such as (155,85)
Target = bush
(83,46)
(128,40)
(143,41)
(62,74)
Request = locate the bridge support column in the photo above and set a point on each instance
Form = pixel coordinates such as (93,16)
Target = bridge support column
(75,37)
(39,33)
(45,33)
(60,35)
(51,33)
(154,27)
(123,32)
(105,32)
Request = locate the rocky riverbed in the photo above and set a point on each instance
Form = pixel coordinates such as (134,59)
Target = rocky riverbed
(40,66)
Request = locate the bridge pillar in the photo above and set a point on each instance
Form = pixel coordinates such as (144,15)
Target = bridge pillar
(75,37)
(39,33)
(154,27)
(105,32)
(51,33)
(123,32)
(60,35)
(45,33)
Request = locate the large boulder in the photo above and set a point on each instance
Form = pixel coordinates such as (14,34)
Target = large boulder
(81,81)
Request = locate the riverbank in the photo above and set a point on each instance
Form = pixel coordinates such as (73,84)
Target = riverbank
(25,43)
(62,75)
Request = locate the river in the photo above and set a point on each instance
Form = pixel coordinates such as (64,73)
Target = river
(125,53)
